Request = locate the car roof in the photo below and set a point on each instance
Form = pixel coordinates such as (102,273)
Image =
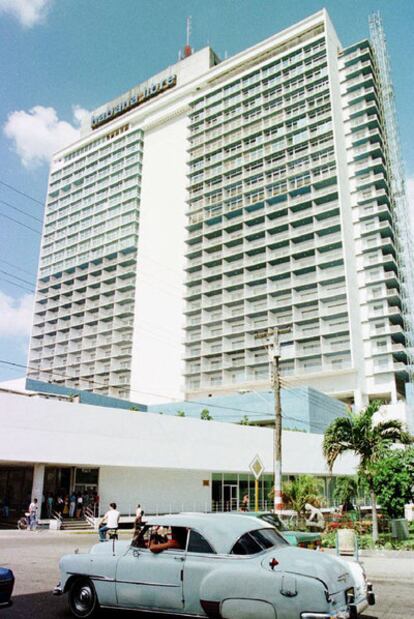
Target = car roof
(221,530)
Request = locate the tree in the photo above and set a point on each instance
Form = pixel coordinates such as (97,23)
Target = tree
(205,415)
(245,421)
(304,489)
(394,481)
(180,413)
(358,433)
(346,489)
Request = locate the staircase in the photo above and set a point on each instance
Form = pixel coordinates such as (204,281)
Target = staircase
(76,524)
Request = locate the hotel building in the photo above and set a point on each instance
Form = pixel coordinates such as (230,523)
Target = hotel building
(216,200)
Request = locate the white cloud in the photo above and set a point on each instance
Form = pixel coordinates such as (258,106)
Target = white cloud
(39,133)
(28,12)
(15,315)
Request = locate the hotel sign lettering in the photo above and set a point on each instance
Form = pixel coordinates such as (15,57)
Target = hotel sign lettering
(134,100)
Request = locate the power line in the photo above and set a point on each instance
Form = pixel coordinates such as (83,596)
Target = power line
(16,221)
(10,264)
(4,279)
(16,277)
(209,404)
(297,391)
(20,210)
(22,193)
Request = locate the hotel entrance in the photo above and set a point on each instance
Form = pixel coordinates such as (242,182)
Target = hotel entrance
(228,490)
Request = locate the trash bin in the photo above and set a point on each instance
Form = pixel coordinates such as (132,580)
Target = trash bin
(409,512)
(399,528)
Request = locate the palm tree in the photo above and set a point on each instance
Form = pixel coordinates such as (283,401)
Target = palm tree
(358,433)
(303,489)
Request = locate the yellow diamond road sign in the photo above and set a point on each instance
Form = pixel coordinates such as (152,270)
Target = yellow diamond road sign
(256,467)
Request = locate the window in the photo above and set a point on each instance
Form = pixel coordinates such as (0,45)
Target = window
(198,543)
(160,535)
(254,542)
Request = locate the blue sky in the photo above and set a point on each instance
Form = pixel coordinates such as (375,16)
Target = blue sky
(60,57)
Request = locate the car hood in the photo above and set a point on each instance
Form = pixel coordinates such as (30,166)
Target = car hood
(332,571)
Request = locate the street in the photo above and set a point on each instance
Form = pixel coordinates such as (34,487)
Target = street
(34,557)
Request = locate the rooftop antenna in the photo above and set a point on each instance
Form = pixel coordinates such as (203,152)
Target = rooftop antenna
(187,49)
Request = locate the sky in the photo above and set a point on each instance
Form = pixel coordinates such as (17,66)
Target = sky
(61,58)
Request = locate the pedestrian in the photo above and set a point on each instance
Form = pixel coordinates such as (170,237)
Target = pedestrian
(72,505)
(5,506)
(109,521)
(244,507)
(79,505)
(139,515)
(33,509)
(95,503)
(59,505)
(50,505)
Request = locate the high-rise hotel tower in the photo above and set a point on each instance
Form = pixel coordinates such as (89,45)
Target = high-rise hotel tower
(214,201)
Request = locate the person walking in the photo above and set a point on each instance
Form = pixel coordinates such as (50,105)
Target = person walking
(33,509)
(109,521)
(59,505)
(79,505)
(72,505)
(139,515)
(244,507)
(50,505)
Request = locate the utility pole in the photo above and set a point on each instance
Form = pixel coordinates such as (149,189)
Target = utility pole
(273,348)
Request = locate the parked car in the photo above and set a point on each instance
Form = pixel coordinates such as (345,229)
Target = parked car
(303,539)
(6,586)
(224,566)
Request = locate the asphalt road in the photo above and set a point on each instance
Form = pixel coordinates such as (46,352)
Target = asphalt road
(34,557)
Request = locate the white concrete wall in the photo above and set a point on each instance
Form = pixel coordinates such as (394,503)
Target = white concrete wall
(347,231)
(36,430)
(156,490)
(157,367)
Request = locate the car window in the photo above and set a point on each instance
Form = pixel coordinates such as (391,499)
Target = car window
(255,541)
(198,543)
(160,535)
(275,521)
(268,538)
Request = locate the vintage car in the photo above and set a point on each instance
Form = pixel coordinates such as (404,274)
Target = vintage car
(218,566)
(303,539)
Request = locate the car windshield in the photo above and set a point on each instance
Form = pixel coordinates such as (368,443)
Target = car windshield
(275,521)
(254,542)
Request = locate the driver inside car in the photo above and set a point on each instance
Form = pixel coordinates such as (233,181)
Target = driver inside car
(177,540)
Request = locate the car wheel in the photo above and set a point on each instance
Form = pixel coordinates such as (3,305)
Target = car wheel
(82,598)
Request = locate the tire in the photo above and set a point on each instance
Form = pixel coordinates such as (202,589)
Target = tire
(82,598)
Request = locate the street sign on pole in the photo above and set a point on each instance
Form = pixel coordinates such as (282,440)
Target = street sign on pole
(257,468)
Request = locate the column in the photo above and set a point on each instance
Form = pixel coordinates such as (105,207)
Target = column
(38,480)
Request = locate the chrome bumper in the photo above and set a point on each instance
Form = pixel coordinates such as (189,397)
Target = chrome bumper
(58,589)
(344,614)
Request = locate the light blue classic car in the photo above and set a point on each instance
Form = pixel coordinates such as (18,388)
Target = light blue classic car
(223,566)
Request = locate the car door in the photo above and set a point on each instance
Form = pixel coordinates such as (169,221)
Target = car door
(148,580)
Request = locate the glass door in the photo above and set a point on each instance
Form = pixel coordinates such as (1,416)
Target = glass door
(230,497)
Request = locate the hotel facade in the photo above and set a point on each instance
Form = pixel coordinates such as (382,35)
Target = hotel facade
(216,200)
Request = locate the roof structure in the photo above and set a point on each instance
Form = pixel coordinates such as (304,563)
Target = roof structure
(221,530)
